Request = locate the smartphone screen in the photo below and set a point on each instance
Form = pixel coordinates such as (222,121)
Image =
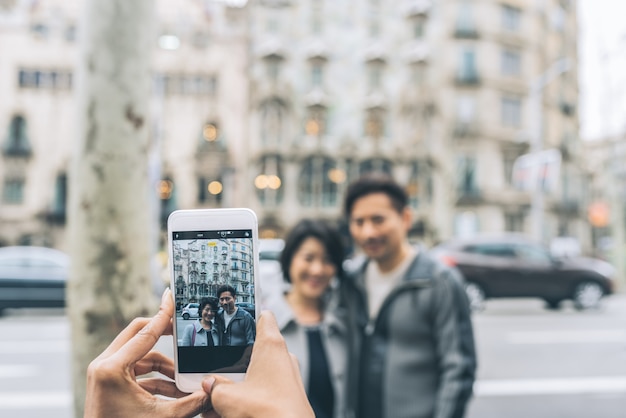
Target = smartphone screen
(214,287)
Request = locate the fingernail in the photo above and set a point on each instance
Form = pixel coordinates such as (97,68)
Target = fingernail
(208,383)
(166,295)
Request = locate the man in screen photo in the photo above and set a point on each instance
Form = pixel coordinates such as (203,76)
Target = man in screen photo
(238,325)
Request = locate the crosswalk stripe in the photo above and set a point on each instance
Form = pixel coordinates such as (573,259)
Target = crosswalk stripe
(558,386)
(35,400)
(34,347)
(567,337)
(9,371)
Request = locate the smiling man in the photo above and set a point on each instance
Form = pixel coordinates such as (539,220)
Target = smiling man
(416,346)
(238,325)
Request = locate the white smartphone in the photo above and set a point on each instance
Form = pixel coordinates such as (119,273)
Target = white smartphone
(213,266)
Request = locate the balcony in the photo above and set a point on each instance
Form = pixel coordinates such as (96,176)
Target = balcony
(465,129)
(465,32)
(15,148)
(467,78)
(466,197)
(417,8)
(567,108)
(568,206)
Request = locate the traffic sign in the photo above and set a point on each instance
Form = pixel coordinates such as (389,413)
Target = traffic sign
(539,169)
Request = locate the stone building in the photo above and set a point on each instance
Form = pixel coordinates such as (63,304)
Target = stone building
(440,93)
(198,104)
(277,105)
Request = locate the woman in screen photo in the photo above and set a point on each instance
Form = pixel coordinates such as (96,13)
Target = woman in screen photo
(309,317)
(203,332)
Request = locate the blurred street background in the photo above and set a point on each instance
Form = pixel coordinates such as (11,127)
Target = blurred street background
(499,117)
(532,362)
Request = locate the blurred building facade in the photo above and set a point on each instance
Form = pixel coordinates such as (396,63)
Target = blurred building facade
(607,211)
(199,107)
(279,104)
(202,266)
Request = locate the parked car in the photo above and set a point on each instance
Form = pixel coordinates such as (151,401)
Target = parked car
(249,307)
(514,266)
(270,248)
(32,277)
(190,311)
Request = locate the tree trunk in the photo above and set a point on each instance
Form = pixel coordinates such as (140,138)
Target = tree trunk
(110,228)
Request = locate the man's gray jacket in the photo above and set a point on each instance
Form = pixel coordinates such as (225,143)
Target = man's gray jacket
(240,331)
(417,358)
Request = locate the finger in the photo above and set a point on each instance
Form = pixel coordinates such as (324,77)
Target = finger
(142,342)
(123,337)
(187,406)
(155,361)
(296,367)
(269,348)
(219,390)
(267,325)
(157,386)
(212,381)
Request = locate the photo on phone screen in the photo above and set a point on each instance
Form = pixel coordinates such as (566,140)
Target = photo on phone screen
(215,299)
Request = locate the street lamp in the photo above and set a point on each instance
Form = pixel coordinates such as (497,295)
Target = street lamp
(536,145)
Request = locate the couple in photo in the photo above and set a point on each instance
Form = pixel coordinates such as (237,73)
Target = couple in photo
(232,326)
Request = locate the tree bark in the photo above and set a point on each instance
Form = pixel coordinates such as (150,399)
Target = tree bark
(109,223)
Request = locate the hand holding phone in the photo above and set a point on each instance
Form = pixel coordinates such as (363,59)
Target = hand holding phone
(213,263)
(113,389)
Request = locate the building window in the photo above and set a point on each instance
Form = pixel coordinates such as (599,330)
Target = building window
(374,75)
(511,17)
(375,165)
(317,74)
(273,67)
(269,181)
(419,28)
(465,22)
(511,112)
(509,162)
(374,16)
(316,17)
(318,181)
(467,184)
(514,222)
(45,79)
(375,123)
(210,190)
(468,73)
(315,124)
(59,204)
(273,113)
(419,187)
(510,62)
(13,191)
(186,84)
(40,30)
(17,142)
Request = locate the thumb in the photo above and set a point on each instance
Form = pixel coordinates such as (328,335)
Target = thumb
(188,406)
(223,395)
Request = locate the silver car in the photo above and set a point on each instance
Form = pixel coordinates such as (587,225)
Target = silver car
(191,311)
(32,277)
